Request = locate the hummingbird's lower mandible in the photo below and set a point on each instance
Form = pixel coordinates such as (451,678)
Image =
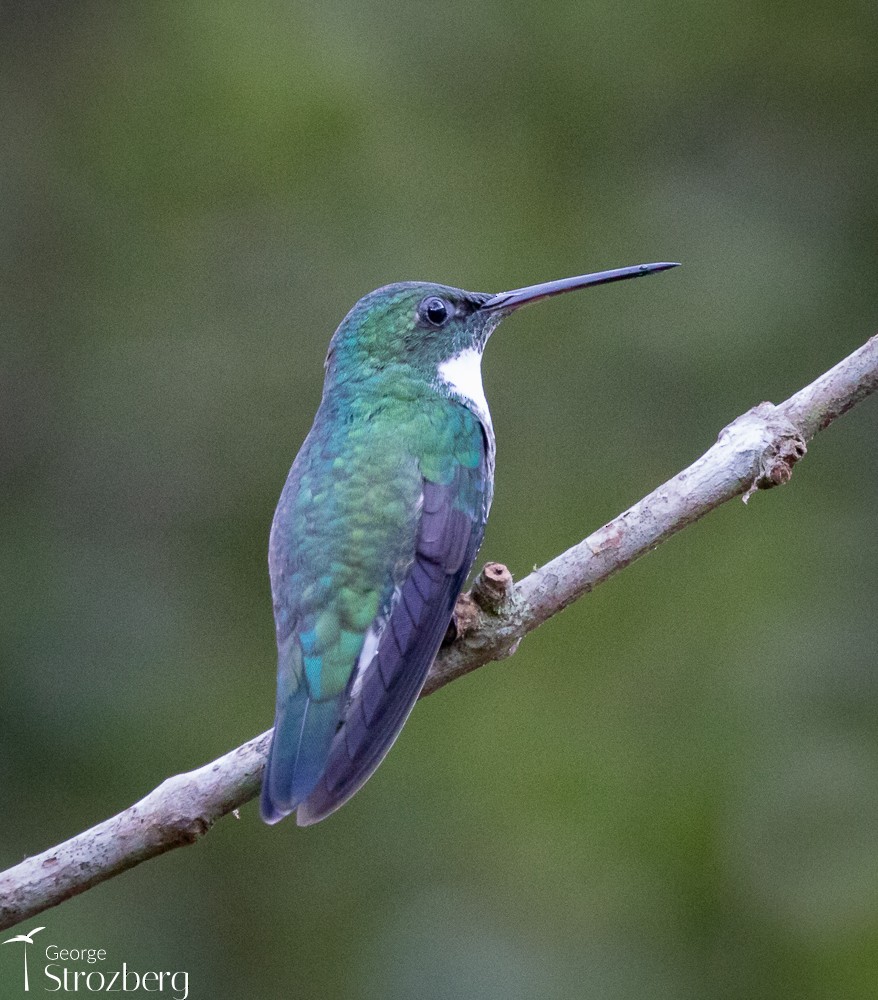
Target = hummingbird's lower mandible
(378,526)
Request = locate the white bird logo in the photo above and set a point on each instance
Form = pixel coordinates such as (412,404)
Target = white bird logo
(26,939)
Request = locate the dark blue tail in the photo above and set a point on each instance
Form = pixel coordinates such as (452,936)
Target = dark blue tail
(303,732)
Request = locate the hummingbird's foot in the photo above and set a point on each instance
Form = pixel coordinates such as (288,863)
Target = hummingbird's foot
(464,619)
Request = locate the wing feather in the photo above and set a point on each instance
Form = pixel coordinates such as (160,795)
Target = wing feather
(383,692)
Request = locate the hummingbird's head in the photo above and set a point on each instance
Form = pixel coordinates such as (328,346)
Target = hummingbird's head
(418,329)
(411,327)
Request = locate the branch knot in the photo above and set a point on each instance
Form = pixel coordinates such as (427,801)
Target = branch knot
(782,446)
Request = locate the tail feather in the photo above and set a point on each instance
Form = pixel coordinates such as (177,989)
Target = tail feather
(303,732)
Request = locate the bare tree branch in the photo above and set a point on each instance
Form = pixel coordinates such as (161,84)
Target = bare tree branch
(756,451)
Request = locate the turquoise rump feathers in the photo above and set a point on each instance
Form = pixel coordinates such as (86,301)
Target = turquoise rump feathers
(376,529)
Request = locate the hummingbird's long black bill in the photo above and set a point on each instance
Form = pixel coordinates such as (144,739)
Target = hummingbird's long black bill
(533,293)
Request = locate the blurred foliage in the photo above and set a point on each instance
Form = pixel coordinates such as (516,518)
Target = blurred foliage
(671,791)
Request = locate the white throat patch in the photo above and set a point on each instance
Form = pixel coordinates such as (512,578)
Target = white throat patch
(463,374)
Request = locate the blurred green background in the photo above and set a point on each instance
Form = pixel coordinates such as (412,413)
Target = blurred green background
(670,791)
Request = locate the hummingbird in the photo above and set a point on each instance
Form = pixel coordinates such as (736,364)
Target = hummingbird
(377,528)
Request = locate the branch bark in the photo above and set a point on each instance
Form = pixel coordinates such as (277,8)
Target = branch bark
(756,451)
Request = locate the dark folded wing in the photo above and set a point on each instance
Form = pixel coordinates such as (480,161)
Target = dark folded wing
(383,690)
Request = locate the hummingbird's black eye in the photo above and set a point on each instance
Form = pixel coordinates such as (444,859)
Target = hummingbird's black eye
(434,310)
